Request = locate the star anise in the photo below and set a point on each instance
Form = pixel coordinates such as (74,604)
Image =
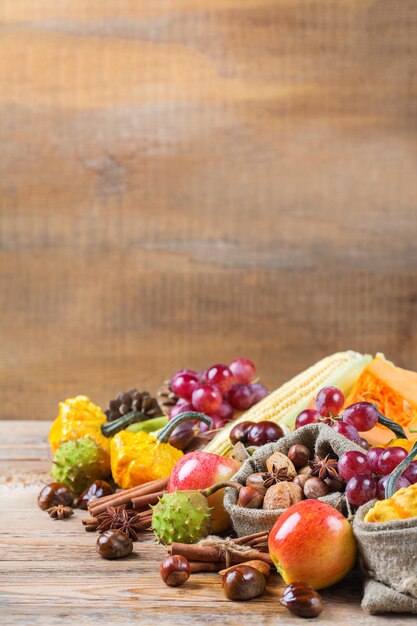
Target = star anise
(324,467)
(121,518)
(60,511)
(276,476)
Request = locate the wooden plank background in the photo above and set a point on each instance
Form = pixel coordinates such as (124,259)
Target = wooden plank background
(183,181)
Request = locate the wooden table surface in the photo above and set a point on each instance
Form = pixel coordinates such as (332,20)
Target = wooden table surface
(50,572)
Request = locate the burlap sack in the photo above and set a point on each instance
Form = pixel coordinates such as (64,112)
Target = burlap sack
(319,438)
(388,557)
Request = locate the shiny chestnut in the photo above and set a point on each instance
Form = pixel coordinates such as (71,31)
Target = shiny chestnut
(251,497)
(243,582)
(299,455)
(114,544)
(175,570)
(182,436)
(97,489)
(302,600)
(264,432)
(240,432)
(54,494)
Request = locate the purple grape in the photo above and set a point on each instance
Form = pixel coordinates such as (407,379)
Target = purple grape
(411,473)
(362,415)
(373,458)
(380,490)
(390,458)
(352,463)
(360,489)
(347,430)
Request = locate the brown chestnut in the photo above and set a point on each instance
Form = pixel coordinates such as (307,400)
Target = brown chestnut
(114,544)
(175,570)
(182,436)
(256,480)
(240,432)
(243,582)
(315,488)
(299,455)
(302,600)
(97,489)
(54,494)
(335,484)
(251,497)
(264,432)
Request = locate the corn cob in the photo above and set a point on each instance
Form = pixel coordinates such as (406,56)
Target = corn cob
(284,404)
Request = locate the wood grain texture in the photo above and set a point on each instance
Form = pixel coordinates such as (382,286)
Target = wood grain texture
(183,182)
(51,574)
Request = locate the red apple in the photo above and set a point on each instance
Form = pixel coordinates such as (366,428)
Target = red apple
(198,470)
(314,543)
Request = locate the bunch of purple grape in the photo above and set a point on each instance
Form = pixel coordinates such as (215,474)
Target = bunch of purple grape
(361,416)
(366,474)
(218,392)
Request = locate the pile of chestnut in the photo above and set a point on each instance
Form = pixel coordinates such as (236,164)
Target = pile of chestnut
(289,479)
(247,581)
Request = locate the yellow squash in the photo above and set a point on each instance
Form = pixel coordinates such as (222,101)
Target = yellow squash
(78,417)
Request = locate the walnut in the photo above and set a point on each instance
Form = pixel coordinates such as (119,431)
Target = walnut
(278,461)
(282,495)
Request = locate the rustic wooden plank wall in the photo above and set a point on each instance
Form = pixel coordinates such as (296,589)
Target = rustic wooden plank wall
(183,181)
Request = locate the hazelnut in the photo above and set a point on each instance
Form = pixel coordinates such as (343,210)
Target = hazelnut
(299,455)
(243,582)
(175,570)
(301,480)
(302,600)
(55,494)
(282,495)
(305,470)
(278,461)
(114,544)
(251,497)
(315,488)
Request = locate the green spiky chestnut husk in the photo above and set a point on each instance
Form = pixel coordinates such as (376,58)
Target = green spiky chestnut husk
(181,516)
(79,463)
(184,516)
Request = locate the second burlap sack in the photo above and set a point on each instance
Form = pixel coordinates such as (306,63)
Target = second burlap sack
(320,439)
(388,557)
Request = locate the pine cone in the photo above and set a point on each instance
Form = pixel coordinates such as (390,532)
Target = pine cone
(133,400)
(167,398)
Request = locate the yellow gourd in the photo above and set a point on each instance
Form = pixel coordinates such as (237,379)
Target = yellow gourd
(139,457)
(77,418)
(402,505)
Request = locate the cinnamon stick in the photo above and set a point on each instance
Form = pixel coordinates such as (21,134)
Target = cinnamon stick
(87,521)
(99,505)
(90,528)
(143,502)
(196,552)
(205,566)
(247,538)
